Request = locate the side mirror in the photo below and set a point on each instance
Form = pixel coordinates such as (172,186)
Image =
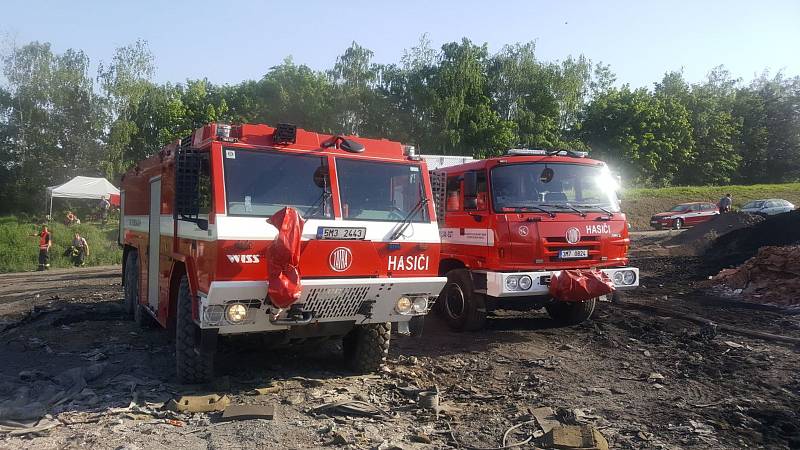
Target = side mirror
(471,190)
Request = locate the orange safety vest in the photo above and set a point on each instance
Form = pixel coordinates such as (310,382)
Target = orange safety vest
(43,238)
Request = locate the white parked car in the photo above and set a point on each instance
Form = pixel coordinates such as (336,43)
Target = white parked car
(768,207)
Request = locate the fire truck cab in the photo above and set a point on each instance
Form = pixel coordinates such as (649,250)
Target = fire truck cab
(508,224)
(196,241)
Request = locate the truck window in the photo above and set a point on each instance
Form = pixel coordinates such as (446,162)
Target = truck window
(453,193)
(380,191)
(259,183)
(483,191)
(516,186)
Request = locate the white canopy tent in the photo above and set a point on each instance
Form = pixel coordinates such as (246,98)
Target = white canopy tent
(82,187)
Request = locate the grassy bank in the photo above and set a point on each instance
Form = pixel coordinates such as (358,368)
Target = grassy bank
(19,250)
(640,204)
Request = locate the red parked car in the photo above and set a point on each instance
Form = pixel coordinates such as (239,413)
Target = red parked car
(684,215)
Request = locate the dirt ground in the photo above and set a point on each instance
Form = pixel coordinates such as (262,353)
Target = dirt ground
(643,376)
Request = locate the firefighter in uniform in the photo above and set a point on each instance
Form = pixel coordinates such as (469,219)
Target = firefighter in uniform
(45,241)
(79,250)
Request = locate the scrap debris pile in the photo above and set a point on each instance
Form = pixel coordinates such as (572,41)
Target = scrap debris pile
(761,262)
(772,276)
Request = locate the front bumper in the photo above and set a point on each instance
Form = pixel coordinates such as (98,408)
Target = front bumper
(496,282)
(658,222)
(358,300)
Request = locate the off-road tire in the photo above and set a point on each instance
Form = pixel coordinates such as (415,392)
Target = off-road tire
(192,364)
(657,227)
(131,283)
(366,347)
(571,313)
(459,288)
(678,224)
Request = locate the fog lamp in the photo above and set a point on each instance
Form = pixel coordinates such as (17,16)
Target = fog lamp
(421,305)
(236,313)
(525,282)
(619,278)
(404,305)
(629,277)
(512,283)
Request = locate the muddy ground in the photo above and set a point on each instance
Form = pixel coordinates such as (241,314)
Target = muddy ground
(645,379)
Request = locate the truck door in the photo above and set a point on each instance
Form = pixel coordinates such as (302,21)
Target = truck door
(153,250)
(467,225)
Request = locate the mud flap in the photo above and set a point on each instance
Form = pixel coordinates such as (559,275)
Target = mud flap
(208,340)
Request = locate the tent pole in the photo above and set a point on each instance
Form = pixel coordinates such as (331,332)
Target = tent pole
(51,207)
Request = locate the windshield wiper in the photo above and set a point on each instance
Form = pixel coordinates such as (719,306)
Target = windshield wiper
(607,211)
(568,206)
(546,211)
(319,204)
(406,222)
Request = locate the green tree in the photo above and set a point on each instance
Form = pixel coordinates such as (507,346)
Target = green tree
(52,123)
(125,81)
(521,89)
(645,135)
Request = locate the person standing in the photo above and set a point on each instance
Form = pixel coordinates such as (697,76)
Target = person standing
(725,203)
(80,250)
(45,242)
(104,207)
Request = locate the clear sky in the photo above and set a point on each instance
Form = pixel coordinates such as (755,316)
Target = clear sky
(230,40)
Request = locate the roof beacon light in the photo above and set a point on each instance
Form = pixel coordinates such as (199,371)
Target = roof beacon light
(539,152)
(411,152)
(526,151)
(223,131)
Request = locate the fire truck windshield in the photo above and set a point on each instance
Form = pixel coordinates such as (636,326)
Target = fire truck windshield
(259,183)
(560,185)
(380,191)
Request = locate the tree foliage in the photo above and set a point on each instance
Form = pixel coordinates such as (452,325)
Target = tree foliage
(57,120)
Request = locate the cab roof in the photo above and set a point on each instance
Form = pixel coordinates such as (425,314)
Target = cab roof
(290,137)
(493,161)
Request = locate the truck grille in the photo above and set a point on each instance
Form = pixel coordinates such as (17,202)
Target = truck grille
(553,246)
(328,303)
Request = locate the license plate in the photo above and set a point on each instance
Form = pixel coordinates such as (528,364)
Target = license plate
(574,253)
(342,233)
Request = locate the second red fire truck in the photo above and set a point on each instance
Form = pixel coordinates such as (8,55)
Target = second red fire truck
(510,224)
(356,250)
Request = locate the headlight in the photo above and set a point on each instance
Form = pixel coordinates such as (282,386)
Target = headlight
(619,278)
(421,305)
(236,313)
(404,305)
(525,282)
(628,277)
(512,282)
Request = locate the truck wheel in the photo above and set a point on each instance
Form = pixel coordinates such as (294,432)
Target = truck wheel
(678,224)
(461,307)
(193,364)
(366,347)
(571,313)
(131,283)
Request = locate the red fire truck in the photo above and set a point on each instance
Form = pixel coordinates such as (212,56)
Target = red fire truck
(509,224)
(198,246)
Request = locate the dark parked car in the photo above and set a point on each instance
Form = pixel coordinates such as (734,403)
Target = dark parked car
(684,215)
